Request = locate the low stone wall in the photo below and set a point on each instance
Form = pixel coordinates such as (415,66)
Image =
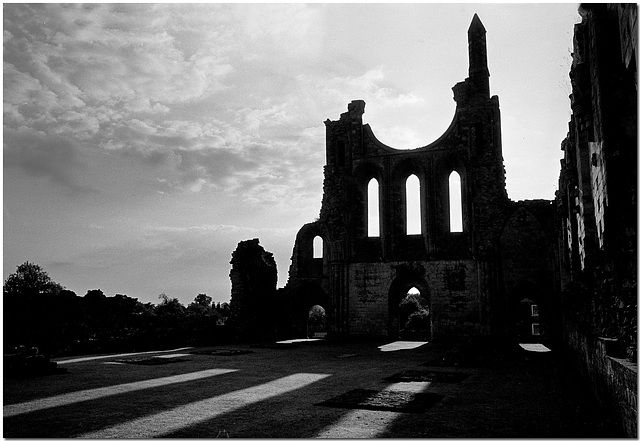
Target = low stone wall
(613,380)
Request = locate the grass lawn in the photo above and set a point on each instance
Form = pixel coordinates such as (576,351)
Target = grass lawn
(250,392)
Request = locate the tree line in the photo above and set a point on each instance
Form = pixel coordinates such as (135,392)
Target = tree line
(39,312)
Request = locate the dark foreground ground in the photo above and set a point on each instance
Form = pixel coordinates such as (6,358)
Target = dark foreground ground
(298,391)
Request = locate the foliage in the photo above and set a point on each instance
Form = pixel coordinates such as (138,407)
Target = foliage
(169,306)
(418,320)
(40,312)
(317,321)
(31,280)
(414,313)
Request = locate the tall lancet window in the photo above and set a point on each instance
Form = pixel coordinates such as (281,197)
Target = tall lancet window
(317,247)
(414,223)
(373,209)
(455,203)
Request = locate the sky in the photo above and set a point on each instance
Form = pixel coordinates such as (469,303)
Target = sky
(142,142)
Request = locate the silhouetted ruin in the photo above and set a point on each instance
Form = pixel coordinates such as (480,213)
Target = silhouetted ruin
(253,285)
(467,281)
(478,265)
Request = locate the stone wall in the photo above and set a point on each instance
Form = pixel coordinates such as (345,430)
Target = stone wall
(597,207)
(530,276)
(254,276)
(451,288)
(363,278)
(613,377)
(597,196)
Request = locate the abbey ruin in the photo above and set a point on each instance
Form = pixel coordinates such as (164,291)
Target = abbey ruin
(479,265)
(473,279)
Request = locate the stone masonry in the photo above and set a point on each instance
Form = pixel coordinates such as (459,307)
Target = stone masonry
(361,279)
(560,272)
(597,207)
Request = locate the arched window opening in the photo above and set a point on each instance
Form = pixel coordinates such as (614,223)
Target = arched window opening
(317,247)
(455,203)
(373,209)
(317,325)
(415,316)
(414,223)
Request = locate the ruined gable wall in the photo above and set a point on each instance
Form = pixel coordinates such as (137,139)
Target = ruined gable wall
(360,269)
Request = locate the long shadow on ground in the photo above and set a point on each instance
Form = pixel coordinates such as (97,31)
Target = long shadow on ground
(538,396)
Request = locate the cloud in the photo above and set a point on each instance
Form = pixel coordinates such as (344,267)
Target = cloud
(45,156)
(78,69)
(222,229)
(202,93)
(286,30)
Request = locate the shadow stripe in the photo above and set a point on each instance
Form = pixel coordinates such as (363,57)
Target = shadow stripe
(169,421)
(92,394)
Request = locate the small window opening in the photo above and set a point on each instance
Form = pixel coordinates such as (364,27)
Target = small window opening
(535,328)
(414,224)
(455,203)
(534,310)
(317,247)
(373,209)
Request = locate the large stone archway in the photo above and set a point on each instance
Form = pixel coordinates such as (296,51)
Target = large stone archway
(306,296)
(398,291)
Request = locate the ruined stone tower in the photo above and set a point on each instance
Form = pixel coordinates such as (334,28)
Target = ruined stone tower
(422,243)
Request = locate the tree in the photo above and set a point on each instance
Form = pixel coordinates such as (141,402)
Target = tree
(203,300)
(201,305)
(29,307)
(30,280)
(418,320)
(94,295)
(317,320)
(414,313)
(169,306)
(410,304)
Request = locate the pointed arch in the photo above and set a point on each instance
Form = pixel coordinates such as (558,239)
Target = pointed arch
(455,203)
(373,208)
(414,210)
(409,294)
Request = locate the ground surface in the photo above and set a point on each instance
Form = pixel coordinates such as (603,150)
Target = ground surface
(297,390)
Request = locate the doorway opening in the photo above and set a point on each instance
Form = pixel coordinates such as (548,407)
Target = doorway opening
(317,324)
(414,318)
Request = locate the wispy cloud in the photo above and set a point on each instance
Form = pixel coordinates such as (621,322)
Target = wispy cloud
(127,78)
